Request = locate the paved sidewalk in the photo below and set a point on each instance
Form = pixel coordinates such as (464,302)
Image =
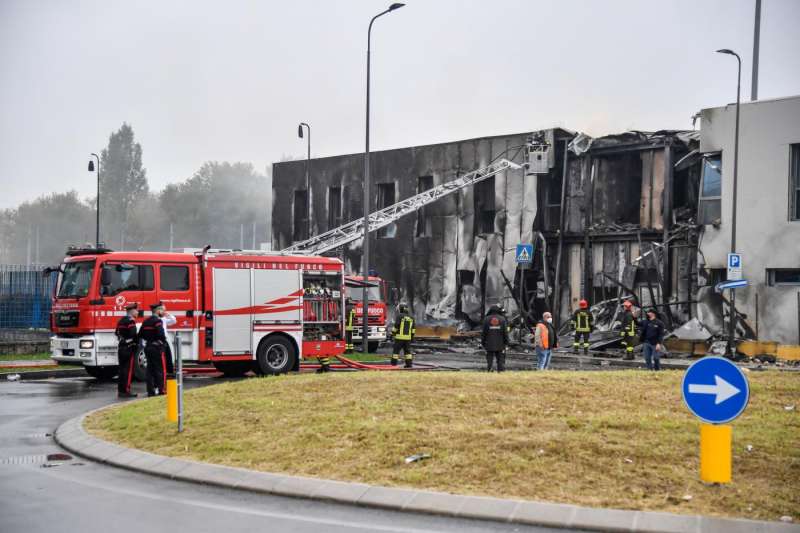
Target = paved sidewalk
(74,438)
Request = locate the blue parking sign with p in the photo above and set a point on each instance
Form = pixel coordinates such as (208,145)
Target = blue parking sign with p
(734,260)
(524,253)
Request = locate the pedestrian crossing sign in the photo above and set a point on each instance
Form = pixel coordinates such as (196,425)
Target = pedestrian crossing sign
(524,254)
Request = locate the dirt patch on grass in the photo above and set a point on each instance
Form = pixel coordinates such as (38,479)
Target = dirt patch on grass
(611,439)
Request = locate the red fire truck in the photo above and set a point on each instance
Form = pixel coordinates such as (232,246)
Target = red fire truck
(239,310)
(377,312)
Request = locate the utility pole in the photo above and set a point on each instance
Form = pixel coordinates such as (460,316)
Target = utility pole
(254,235)
(171,236)
(365,259)
(731,350)
(756,42)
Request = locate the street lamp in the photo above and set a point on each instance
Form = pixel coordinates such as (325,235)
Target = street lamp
(732,323)
(97,222)
(365,260)
(308,172)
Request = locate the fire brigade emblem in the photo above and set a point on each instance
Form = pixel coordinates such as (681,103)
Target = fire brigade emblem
(494,321)
(120,301)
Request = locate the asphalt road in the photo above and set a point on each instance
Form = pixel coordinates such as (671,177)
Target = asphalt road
(37,494)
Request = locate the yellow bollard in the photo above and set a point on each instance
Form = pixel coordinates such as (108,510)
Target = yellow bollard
(715,453)
(172,400)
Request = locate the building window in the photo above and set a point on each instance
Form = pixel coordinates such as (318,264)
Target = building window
(334,207)
(424,183)
(300,222)
(783,276)
(709,209)
(385,199)
(794,182)
(484,207)
(119,278)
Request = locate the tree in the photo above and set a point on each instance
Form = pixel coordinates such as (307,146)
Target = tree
(122,181)
(45,227)
(217,204)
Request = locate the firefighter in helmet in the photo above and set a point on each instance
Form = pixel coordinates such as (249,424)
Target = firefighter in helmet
(583,324)
(152,333)
(628,332)
(126,350)
(494,338)
(403,333)
(350,310)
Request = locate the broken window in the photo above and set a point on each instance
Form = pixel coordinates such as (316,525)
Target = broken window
(385,199)
(794,182)
(709,210)
(424,183)
(484,207)
(783,276)
(300,218)
(334,207)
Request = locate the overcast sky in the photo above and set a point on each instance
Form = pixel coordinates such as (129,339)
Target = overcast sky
(230,80)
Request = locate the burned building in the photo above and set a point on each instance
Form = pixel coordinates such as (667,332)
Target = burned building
(609,217)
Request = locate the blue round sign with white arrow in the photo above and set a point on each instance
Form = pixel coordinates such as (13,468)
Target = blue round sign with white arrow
(715,390)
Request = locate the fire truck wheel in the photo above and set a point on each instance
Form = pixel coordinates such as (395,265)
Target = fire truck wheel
(102,373)
(140,367)
(233,369)
(276,355)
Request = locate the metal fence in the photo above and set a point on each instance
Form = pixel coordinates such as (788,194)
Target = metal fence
(25,297)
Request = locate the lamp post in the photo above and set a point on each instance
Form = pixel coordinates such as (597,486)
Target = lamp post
(365,260)
(308,172)
(732,323)
(97,221)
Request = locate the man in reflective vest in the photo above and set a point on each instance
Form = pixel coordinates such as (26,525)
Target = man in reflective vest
(126,350)
(402,333)
(583,324)
(348,326)
(628,332)
(545,340)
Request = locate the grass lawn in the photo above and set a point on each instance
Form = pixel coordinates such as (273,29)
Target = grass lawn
(26,357)
(366,357)
(609,439)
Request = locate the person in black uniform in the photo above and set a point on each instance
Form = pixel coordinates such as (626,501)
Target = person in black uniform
(126,351)
(152,333)
(494,338)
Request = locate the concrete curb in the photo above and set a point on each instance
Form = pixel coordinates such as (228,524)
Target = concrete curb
(72,436)
(46,374)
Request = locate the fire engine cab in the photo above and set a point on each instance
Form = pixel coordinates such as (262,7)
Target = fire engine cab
(238,310)
(377,311)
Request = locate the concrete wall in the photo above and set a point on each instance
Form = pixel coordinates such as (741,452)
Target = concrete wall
(764,234)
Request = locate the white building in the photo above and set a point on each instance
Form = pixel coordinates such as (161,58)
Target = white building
(768,210)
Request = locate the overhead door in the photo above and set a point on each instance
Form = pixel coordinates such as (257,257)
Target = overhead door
(232,310)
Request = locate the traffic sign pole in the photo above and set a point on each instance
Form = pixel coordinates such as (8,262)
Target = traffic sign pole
(715,453)
(716,391)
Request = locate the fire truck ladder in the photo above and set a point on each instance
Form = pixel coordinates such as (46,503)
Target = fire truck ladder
(355,230)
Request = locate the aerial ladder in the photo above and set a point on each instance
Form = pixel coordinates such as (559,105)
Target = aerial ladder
(332,239)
